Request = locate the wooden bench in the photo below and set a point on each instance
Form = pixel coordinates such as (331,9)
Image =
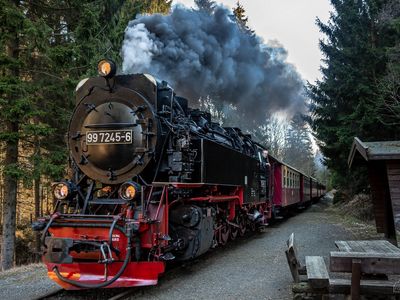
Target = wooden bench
(365,257)
(375,258)
(316,282)
(294,264)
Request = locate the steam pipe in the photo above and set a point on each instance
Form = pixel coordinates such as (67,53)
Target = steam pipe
(46,229)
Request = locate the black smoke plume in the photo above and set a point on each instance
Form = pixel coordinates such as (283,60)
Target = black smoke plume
(203,54)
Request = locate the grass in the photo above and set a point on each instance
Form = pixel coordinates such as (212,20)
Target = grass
(356,216)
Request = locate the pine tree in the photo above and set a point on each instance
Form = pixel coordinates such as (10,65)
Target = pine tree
(157,6)
(20,43)
(241,19)
(345,101)
(207,6)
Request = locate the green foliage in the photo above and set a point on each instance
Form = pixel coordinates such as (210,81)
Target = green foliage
(349,100)
(241,19)
(61,42)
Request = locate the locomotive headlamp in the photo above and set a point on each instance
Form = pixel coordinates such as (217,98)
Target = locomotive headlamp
(129,190)
(106,68)
(63,190)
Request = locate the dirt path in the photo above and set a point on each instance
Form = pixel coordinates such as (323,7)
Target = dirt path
(251,268)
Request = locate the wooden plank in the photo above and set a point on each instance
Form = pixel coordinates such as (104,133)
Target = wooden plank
(383,246)
(392,168)
(370,246)
(317,274)
(356,246)
(371,263)
(291,256)
(292,267)
(343,246)
(367,287)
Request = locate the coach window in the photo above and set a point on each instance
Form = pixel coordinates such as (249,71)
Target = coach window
(294,180)
(287,178)
(284,178)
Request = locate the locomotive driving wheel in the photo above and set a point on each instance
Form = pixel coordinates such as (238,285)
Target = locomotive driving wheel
(252,226)
(234,230)
(242,225)
(224,233)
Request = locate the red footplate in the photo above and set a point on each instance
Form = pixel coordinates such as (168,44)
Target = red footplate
(135,274)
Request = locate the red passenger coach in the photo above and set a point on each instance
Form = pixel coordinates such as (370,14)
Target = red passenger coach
(288,186)
(314,190)
(291,188)
(306,189)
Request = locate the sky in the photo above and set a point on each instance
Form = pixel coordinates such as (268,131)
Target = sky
(292,24)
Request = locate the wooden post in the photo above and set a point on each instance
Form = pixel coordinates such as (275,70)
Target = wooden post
(381,199)
(355,279)
(393,174)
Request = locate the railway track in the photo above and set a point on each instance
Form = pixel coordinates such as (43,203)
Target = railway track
(50,294)
(88,294)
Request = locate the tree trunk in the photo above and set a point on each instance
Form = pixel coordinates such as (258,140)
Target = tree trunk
(36,185)
(10,202)
(37,215)
(10,160)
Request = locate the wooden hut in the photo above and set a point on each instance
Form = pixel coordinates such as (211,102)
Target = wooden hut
(383,163)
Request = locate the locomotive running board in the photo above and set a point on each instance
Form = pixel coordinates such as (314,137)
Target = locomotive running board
(135,274)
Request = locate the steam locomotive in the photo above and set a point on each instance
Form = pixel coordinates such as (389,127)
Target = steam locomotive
(153,180)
